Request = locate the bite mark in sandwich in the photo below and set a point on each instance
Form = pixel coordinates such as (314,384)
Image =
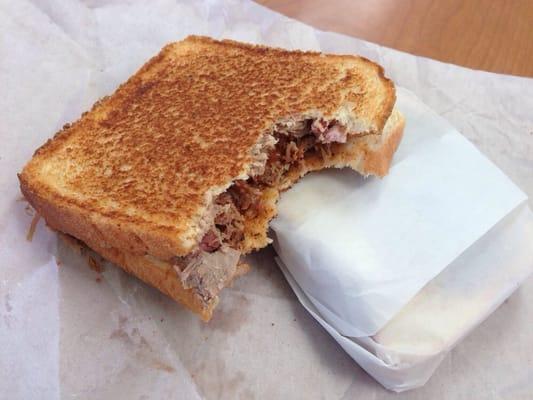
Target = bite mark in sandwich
(209,268)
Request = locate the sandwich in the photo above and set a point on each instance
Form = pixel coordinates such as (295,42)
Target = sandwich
(175,176)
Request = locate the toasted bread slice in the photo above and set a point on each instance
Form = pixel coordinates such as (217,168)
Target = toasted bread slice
(369,155)
(138,171)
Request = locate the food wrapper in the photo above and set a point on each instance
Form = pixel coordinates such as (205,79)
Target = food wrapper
(72,331)
(398,270)
(405,352)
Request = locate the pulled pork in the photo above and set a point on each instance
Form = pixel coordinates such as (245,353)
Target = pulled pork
(242,200)
(290,149)
(210,242)
(215,261)
(246,197)
(229,221)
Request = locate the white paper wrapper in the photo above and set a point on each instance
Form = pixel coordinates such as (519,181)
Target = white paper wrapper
(404,353)
(64,335)
(361,249)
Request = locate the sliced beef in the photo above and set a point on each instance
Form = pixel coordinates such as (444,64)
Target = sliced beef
(229,220)
(224,198)
(242,199)
(294,128)
(335,134)
(207,273)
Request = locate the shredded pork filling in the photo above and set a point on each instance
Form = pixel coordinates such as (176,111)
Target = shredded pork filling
(215,262)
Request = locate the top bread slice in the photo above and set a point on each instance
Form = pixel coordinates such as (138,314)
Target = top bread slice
(138,171)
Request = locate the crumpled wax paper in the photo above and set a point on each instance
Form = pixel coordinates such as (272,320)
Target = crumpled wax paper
(67,331)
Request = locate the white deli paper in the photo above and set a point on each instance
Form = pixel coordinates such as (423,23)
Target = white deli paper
(361,249)
(405,353)
(69,332)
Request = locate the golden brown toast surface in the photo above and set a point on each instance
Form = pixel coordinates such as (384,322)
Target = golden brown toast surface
(136,172)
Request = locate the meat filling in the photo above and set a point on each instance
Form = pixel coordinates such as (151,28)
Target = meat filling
(208,269)
(292,146)
(207,272)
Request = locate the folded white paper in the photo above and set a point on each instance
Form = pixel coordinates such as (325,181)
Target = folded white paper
(405,353)
(361,249)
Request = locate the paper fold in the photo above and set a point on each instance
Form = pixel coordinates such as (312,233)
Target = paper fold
(404,354)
